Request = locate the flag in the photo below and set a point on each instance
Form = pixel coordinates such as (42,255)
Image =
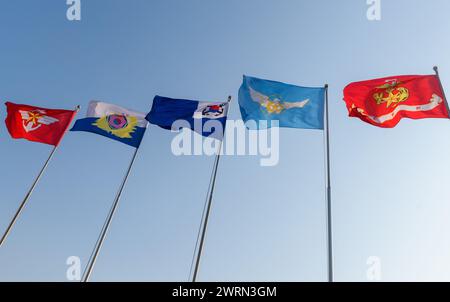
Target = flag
(203,117)
(384,102)
(115,122)
(37,124)
(293,106)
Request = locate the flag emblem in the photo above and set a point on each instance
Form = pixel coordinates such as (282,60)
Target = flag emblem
(114,122)
(211,111)
(274,103)
(391,93)
(118,125)
(384,102)
(34,119)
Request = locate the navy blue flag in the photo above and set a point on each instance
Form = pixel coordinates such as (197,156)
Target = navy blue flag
(202,117)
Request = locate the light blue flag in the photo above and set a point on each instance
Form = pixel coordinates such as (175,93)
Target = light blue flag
(293,106)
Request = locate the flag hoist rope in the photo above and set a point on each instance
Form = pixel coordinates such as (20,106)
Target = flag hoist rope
(208,205)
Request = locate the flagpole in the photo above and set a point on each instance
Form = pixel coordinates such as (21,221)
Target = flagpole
(99,243)
(436,70)
(328,188)
(27,197)
(208,209)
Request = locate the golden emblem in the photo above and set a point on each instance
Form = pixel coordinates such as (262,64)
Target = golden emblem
(119,125)
(391,94)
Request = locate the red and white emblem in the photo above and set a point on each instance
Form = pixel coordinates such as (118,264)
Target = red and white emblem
(34,119)
(211,110)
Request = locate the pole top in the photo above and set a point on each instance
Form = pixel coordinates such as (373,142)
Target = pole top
(77,108)
(435,68)
(229,98)
(326,86)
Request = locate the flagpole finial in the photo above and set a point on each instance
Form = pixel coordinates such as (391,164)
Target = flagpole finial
(326,86)
(436,70)
(229,98)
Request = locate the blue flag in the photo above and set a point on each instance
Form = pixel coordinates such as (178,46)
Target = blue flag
(202,117)
(114,122)
(292,106)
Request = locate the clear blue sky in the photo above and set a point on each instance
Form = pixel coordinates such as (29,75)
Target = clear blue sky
(390,186)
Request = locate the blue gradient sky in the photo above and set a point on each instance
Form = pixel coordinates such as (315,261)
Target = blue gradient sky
(390,186)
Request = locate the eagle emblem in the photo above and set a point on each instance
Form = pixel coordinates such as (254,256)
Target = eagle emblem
(274,104)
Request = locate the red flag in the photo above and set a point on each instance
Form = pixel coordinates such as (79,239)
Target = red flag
(384,102)
(38,124)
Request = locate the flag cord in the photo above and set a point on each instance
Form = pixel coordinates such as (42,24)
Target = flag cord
(106,225)
(27,197)
(328,192)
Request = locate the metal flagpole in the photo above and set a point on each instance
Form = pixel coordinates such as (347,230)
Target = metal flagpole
(27,197)
(100,240)
(442,88)
(208,209)
(328,188)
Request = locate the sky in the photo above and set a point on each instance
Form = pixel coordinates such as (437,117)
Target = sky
(389,186)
